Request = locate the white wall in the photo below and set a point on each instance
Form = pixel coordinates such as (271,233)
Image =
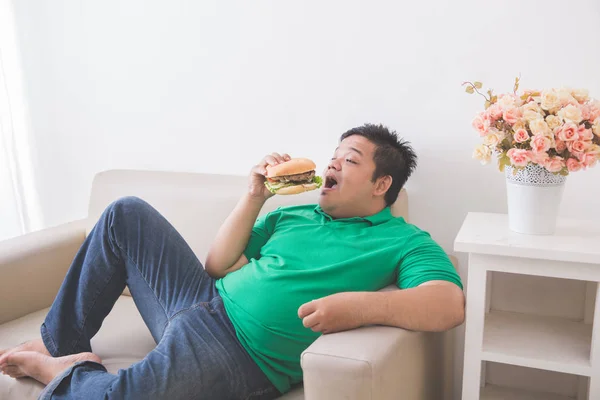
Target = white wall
(211,86)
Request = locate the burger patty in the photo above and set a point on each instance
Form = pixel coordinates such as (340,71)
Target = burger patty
(303,177)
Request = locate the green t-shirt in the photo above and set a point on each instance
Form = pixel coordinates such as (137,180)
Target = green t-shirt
(298,254)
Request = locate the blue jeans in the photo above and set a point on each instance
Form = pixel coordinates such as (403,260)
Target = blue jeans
(198,355)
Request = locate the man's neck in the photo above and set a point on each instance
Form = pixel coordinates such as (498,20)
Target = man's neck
(367,212)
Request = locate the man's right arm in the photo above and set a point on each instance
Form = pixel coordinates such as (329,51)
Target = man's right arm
(226,253)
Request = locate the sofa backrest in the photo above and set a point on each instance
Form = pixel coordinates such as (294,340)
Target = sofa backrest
(195,203)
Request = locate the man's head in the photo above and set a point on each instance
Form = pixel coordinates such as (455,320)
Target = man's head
(367,171)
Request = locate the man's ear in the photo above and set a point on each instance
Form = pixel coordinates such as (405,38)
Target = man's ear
(382,184)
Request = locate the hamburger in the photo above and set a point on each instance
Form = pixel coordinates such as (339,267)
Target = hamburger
(292,177)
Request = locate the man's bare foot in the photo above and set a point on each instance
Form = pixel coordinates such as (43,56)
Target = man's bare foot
(36,345)
(41,367)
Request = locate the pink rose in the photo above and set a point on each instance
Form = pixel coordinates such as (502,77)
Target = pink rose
(568,132)
(578,156)
(481,125)
(519,157)
(540,158)
(512,115)
(579,146)
(554,164)
(585,134)
(586,111)
(573,165)
(594,110)
(560,146)
(521,135)
(495,111)
(589,160)
(540,144)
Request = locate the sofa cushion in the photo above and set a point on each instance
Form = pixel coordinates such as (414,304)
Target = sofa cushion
(123,340)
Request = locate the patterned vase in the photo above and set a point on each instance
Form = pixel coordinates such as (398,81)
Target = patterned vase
(534,195)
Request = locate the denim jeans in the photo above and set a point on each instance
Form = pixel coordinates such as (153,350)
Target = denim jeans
(198,355)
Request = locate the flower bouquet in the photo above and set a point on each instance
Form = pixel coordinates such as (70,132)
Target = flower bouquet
(538,137)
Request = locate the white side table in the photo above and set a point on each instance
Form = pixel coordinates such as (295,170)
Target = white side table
(547,343)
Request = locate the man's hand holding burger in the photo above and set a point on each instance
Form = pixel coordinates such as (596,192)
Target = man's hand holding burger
(256,187)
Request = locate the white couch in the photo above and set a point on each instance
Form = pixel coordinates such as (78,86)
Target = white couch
(373,362)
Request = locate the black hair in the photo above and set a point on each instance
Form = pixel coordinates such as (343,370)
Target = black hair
(393,156)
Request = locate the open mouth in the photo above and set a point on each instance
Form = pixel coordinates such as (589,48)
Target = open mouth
(330,183)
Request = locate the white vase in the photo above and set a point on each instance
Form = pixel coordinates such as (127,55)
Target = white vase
(534,195)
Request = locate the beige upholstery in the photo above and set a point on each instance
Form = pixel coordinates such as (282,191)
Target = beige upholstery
(366,363)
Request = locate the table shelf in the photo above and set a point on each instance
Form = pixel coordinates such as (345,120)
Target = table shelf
(549,343)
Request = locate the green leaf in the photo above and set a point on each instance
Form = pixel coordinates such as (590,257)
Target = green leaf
(478,85)
(469,89)
(503,161)
(564,172)
(318,180)
(487,104)
(275,186)
(271,188)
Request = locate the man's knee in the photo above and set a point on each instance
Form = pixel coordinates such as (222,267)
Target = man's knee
(130,206)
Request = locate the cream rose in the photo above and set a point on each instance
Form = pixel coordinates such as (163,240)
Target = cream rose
(581,95)
(594,149)
(565,97)
(531,111)
(570,113)
(530,115)
(482,153)
(550,99)
(520,124)
(507,101)
(596,127)
(553,121)
(539,127)
(594,110)
(493,138)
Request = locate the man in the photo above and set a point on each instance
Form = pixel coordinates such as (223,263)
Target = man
(236,328)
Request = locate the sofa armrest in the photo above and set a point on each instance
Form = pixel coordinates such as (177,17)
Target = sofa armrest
(374,362)
(377,362)
(33,266)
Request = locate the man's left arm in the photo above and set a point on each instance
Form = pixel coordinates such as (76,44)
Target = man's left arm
(432,306)
(430,299)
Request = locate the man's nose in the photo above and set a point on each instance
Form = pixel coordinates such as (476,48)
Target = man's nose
(335,164)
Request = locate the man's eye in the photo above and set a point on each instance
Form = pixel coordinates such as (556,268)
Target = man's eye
(350,161)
